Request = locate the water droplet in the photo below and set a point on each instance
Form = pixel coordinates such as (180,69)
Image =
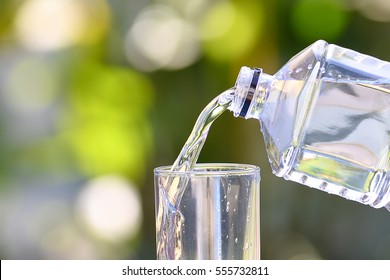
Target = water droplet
(298,70)
(227,236)
(339,76)
(234,210)
(224,196)
(236,240)
(303,179)
(247,218)
(246,246)
(227,207)
(229,188)
(323,186)
(309,66)
(236,196)
(323,70)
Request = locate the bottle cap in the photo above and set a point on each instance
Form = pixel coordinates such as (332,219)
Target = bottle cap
(245,88)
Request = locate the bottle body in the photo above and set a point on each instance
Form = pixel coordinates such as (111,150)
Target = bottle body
(325,118)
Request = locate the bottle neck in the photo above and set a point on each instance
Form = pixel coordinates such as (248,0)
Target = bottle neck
(250,92)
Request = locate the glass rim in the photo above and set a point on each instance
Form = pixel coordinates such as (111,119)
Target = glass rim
(211,169)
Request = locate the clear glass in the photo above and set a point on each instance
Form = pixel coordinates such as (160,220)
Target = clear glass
(218,216)
(325,121)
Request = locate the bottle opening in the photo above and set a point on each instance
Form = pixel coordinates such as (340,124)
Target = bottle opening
(251,92)
(245,88)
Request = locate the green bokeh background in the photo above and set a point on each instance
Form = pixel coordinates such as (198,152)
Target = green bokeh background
(100,89)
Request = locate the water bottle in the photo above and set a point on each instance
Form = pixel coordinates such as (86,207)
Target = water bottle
(325,118)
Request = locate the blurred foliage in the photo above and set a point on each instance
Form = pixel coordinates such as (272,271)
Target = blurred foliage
(96,93)
(224,21)
(105,122)
(308,19)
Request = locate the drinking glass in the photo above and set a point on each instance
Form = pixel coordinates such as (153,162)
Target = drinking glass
(216,214)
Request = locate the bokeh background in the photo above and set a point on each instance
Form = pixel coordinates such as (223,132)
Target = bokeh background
(96,93)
